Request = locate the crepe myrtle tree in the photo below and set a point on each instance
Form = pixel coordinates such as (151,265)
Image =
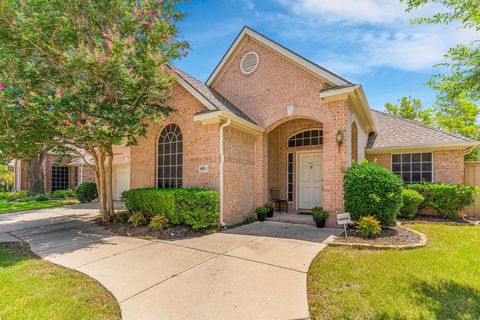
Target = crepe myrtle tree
(95,73)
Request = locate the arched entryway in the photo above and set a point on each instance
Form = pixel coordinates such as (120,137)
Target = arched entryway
(295,163)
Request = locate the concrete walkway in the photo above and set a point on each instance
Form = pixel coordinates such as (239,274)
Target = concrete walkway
(256,271)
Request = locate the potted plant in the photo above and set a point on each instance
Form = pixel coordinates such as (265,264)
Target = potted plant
(270,208)
(319,216)
(261,213)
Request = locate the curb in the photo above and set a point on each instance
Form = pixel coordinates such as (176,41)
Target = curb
(423,241)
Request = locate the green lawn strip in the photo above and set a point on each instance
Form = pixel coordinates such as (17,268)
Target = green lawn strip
(439,281)
(32,288)
(6,207)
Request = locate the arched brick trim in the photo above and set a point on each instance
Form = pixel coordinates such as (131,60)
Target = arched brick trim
(354,142)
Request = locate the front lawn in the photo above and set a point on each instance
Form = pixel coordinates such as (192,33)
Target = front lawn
(6,207)
(439,281)
(36,289)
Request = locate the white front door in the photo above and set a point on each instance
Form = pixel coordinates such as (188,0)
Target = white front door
(310,176)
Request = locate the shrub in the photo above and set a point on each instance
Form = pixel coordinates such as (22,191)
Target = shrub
(67,193)
(40,197)
(446,199)
(319,213)
(86,192)
(10,196)
(372,190)
(368,227)
(270,209)
(250,219)
(138,219)
(411,202)
(198,208)
(122,216)
(158,222)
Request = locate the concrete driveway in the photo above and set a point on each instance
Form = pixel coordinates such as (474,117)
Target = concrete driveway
(256,271)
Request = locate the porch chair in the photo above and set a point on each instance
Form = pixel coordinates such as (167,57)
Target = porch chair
(281,205)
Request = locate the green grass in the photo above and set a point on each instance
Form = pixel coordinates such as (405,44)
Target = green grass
(32,288)
(439,281)
(6,207)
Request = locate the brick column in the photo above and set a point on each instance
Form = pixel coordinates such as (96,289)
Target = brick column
(261,170)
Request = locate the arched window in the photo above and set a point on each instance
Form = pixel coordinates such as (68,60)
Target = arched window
(306,138)
(170,157)
(354,141)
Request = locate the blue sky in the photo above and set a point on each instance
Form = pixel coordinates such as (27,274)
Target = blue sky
(370,42)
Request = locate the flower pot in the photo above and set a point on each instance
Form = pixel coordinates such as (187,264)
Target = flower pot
(261,216)
(270,213)
(320,223)
(461,214)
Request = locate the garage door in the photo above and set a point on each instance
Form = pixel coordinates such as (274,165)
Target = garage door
(121,180)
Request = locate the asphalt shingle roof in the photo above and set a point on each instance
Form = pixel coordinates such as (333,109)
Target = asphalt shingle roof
(213,96)
(393,131)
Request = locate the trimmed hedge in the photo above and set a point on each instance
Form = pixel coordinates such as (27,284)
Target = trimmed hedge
(198,208)
(411,202)
(372,190)
(446,199)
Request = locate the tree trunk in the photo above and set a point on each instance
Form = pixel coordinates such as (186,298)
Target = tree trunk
(35,174)
(103,177)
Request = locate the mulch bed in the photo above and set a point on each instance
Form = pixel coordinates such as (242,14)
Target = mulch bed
(389,236)
(435,219)
(171,232)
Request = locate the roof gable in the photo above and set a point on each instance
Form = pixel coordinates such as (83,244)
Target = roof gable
(397,133)
(306,64)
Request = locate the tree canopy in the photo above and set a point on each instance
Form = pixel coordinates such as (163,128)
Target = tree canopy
(86,74)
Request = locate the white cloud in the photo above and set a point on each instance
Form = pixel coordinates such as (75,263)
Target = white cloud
(357,36)
(356,11)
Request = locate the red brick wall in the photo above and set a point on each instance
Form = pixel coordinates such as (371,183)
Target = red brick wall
(264,95)
(200,146)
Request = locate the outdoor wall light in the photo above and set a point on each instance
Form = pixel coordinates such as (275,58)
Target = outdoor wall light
(340,137)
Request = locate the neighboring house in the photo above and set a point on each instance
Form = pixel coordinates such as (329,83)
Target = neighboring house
(59,173)
(268,119)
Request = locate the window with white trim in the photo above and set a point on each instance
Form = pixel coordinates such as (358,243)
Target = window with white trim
(290,176)
(170,157)
(413,167)
(306,138)
(60,178)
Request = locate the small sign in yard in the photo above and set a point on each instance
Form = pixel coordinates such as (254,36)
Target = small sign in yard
(344,218)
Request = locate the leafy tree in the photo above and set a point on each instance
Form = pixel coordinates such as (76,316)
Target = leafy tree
(456,107)
(411,109)
(90,73)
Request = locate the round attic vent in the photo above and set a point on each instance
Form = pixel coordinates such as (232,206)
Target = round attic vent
(249,63)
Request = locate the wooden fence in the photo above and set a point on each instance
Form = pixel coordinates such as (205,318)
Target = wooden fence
(472,178)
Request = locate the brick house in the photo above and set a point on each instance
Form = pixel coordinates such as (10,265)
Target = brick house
(269,120)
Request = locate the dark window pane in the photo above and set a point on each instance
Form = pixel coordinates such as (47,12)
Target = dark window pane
(406,157)
(416,177)
(406,166)
(307,134)
(396,167)
(315,141)
(291,143)
(406,177)
(416,157)
(426,166)
(426,157)
(427,176)
(315,133)
(299,143)
(396,158)
(416,166)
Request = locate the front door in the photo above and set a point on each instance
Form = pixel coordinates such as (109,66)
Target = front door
(309,180)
